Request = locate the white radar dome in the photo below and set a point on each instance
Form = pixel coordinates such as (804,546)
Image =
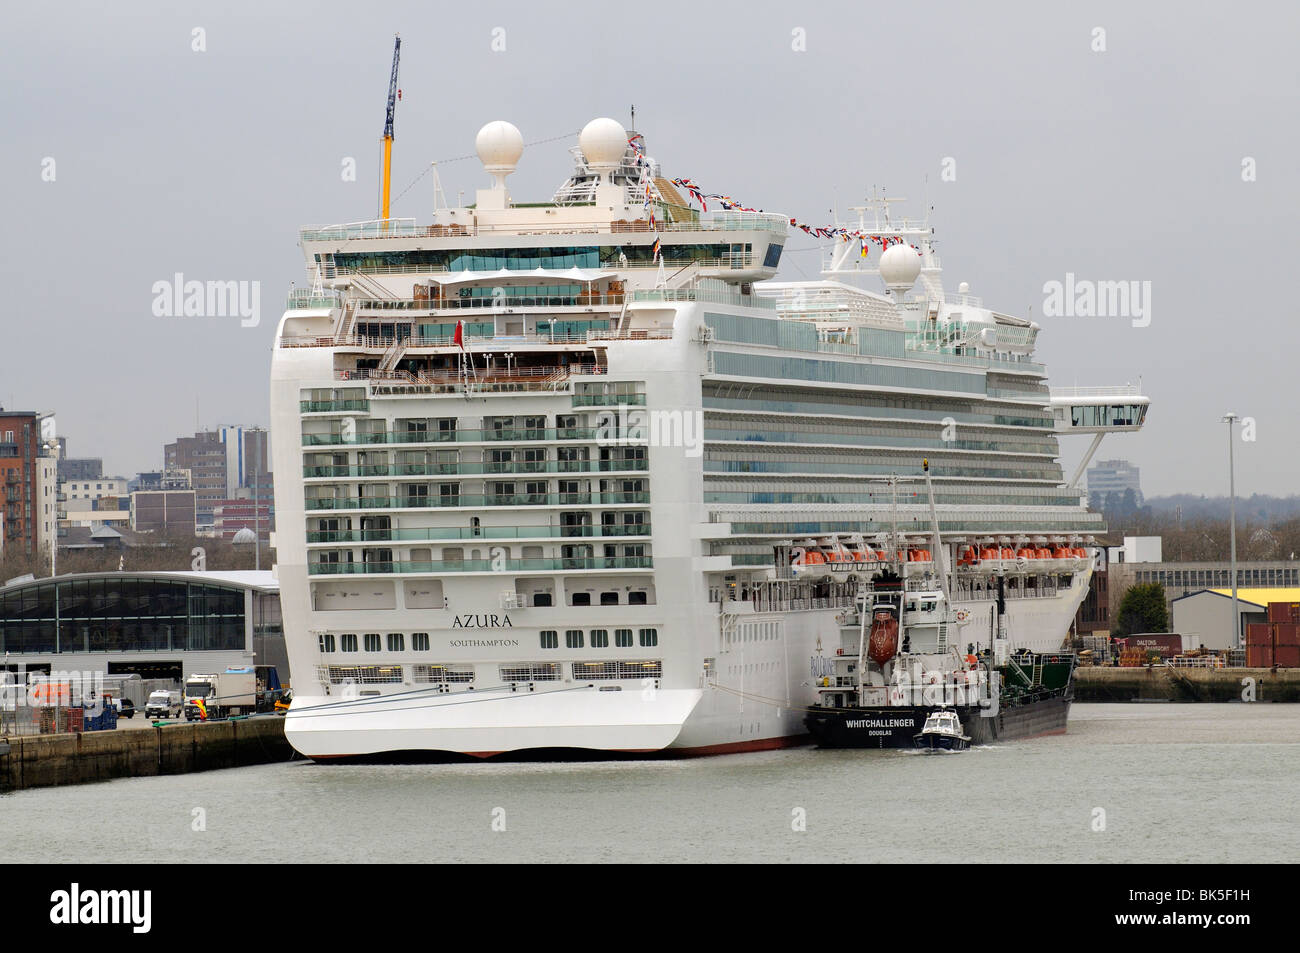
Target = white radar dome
(603,142)
(499,145)
(899,267)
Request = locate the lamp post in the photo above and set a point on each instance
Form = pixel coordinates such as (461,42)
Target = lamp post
(1230,419)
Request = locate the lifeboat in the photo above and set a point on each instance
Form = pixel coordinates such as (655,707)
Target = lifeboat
(882,644)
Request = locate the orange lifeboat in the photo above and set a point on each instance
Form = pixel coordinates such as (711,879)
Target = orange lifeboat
(883,643)
(989,552)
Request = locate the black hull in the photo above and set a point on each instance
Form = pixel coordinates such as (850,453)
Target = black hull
(940,742)
(897,727)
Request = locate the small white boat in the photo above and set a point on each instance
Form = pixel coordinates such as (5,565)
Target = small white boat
(942,732)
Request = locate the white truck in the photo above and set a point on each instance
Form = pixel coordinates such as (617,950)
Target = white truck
(163,703)
(232,692)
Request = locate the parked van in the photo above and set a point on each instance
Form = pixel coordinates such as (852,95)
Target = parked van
(163,704)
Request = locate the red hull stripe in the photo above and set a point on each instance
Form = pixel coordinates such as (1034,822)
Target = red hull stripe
(734,747)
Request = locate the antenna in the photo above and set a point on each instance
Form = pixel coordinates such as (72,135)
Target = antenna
(634,117)
(439,197)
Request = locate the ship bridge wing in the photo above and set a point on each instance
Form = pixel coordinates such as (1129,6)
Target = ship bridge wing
(1098,411)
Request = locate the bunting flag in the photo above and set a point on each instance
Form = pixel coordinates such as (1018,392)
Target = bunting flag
(203,709)
(864,239)
(459,338)
(658,247)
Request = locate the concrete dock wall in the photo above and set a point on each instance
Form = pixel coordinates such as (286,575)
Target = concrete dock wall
(46,760)
(1161,683)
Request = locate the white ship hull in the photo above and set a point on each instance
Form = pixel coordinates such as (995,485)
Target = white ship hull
(755,700)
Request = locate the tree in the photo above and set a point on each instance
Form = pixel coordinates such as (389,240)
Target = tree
(1143,609)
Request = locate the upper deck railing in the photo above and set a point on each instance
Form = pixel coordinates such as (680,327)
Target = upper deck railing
(407,227)
(1093,393)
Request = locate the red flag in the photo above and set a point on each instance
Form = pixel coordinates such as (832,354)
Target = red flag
(459,339)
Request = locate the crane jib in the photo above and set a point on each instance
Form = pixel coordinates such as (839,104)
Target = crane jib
(392,89)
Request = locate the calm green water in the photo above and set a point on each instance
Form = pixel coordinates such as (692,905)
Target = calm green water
(1177,783)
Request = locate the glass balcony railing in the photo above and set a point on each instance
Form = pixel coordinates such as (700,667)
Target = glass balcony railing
(480,532)
(444,469)
(468,436)
(482,565)
(608,400)
(332,406)
(472,500)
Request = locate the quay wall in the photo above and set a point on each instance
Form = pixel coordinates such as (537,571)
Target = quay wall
(1162,683)
(74,758)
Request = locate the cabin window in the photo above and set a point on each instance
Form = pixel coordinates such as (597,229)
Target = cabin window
(609,598)
(550,639)
(649,637)
(372,642)
(396,642)
(348,642)
(582,598)
(326,642)
(637,598)
(420,641)
(573,638)
(600,638)
(623,638)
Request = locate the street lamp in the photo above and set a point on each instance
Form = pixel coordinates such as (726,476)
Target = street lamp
(509,357)
(1230,419)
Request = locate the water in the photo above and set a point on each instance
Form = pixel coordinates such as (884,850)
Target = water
(1177,783)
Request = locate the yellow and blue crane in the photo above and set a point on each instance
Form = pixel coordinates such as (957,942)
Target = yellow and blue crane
(394,94)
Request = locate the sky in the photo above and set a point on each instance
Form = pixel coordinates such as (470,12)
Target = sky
(1150,142)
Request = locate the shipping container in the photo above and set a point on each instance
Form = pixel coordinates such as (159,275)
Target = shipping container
(1284,612)
(1287,656)
(1259,656)
(1286,633)
(1259,633)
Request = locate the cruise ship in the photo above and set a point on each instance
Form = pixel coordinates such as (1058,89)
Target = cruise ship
(581,477)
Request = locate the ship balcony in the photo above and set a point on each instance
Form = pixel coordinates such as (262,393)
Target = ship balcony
(333,406)
(493,566)
(622,531)
(548,434)
(473,500)
(441,469)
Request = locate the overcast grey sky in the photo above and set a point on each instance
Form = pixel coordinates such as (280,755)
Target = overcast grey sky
(1117,165)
